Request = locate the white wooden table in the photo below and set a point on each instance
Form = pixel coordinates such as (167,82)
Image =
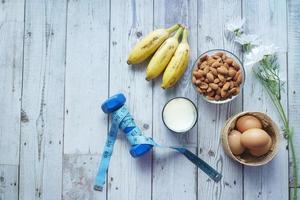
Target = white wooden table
(60,59)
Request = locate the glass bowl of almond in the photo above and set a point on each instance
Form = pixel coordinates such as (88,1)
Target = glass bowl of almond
(218,76)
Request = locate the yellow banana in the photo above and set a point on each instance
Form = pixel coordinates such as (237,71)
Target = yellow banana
(178,63)
(148,45)
(162,56)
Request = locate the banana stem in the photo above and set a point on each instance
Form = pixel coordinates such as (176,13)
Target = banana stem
(173,28)
(178,33)
(185,35)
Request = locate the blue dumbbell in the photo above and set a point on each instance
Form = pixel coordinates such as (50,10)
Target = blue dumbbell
(114,103)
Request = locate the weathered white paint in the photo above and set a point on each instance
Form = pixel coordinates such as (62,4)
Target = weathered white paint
(211,34)
(78,177)
(8,182)
(86,87)
(43,100)
(293,71)
(130,178)
(171,168)
(267,19)
(11,56)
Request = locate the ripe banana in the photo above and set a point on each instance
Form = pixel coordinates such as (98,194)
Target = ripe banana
(178,63)
(148,45)
(162,56)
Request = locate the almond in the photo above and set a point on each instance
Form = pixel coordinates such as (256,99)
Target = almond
(206,81)
(216,64)
(233,91)
(236,75)
(218,91)
(204,58)
(217,80)
(217,97)
(220,54)
(226,86)
(210,77)
(239,79)
(229,61)
(197,74)
(198,82)
(222,70)
(213,86)
(203,86)
(231,72)
(221,77)
(223,93)
(213,71)
(208,89)
(206,70)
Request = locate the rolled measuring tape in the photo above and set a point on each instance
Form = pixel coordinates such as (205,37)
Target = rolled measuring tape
(140,144)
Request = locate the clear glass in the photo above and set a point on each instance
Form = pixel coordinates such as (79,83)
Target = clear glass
(236,59)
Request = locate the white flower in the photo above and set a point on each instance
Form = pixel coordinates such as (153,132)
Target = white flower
(258,53)
(235,26)
(250,39)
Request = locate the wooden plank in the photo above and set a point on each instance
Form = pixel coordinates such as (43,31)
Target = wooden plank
(294,72)
(8,182)
(267,19)
(211,34)
(86,88)
(130,178)
(79,174)
(170,168)
(43,100)
(11,53)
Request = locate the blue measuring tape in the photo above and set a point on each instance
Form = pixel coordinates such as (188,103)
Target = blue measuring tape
(140,144)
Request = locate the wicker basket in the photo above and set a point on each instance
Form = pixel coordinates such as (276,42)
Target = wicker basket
(246,158)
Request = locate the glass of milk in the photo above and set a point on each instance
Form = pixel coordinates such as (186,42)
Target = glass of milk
(179,114)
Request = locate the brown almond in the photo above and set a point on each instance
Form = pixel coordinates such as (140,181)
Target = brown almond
(202,79)
(231,72)
(204,58)
(226,86)
(221,77)
(213,71)
(203,86)
(210,60)
(238,90)
(231,84)
(223,93)
(194,80)
(233,91)
(211,93)
(197,74)
(224,56)
(239,79)
(228,78)
(235,65)
(218,91)
(213,86)
(221,84)
(217,97)
(216,64)
(222,70)
(206,81)
(208,89)
(236,75)
(198,82)
(229,61)
(200,90)
(217,80)
(216,56)
(206,70)
(201,73)
(210,77)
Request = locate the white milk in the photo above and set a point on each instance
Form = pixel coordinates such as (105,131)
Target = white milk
(180,115)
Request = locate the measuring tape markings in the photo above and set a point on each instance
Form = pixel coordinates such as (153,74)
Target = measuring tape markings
(121,119)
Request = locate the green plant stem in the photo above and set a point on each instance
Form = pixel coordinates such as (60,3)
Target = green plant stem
(288,131)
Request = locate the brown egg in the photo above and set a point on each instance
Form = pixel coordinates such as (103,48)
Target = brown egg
(261,150)
(234,141)
(255,138)
(246,122)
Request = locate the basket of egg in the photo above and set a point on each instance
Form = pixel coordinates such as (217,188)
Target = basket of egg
(250,138)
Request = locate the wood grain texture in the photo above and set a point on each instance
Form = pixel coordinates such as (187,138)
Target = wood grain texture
(43,100)
(268,20)
(294,72)
(9,182)
(11,54)
(212,117)
(79,175)
(87,63)
(170,168)
(130,178)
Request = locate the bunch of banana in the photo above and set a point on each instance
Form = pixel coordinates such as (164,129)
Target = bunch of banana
(169,56)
